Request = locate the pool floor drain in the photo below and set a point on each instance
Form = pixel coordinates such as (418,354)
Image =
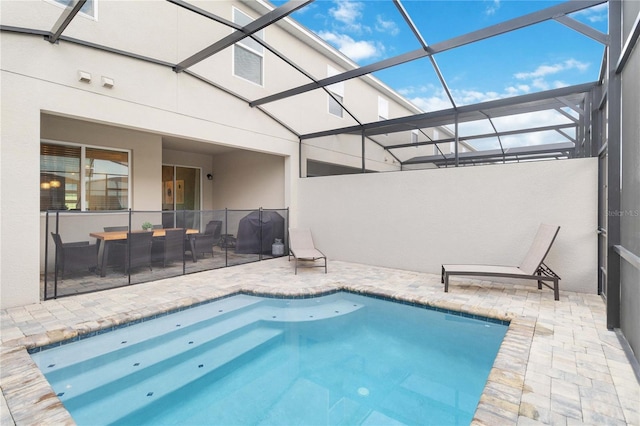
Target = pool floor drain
(363,391)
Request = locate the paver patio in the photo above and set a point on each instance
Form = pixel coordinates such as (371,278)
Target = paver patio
(558,363)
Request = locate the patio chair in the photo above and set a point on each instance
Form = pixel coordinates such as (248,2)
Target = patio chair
(532,266)
(116,228)
(301,247)
(116,250)
(74,256)
(137,250)
(203,243)
(169,248)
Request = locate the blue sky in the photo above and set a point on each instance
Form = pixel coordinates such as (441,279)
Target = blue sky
(540,57)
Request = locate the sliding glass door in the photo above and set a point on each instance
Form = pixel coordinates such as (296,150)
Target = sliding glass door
(181,190)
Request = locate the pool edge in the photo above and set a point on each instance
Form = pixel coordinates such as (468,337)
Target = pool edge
(506,377)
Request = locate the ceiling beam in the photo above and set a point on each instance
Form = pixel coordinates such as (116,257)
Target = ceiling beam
(496,134)
(264,44)
(571,105)
(204,13)
(510,154)
(65,19)
(494,30)
(255,26)
(358,72)
(584,29)
(423,42)
(517,23)
(537,102)
(566,114)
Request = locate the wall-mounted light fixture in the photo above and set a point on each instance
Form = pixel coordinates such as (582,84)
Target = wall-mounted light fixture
(45,185)
(55,183)
(107,82)
(209,176)
(84,76)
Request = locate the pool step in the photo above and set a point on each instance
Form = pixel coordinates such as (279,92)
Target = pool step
(122,342)
(105,364)
(144,360)
(224,402)
(135,355)
(96,351)
(312,311)
(137,390)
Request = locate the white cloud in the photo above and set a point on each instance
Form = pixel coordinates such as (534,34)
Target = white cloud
(431,103)
(356,50)
(346,29)
(558,84)
(544,70)
(540,83)
(518,90)
(492,8)
(387,27)
(599,13)
(348,13)
(436,99)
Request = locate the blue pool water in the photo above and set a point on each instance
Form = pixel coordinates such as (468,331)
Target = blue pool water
(341,359)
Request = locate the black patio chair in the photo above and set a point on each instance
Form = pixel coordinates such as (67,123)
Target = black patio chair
(116,249)
(169,248)
(137,250)
(203,243)
(115,228)
(75,256)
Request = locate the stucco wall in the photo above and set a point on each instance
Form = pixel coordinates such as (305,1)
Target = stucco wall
(247,180)
(419,220)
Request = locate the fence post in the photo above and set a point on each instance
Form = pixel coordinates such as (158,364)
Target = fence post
(226,233)
(55,273)
(128,260)
(286,234)
(46,251)
(261,235)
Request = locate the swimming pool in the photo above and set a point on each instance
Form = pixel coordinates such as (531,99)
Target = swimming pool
(337,359)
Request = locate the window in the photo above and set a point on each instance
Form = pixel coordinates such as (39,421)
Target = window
(383,109)
(89,8)
(414,136)
(337,89)
(248,54)
(335,106)
(104,185)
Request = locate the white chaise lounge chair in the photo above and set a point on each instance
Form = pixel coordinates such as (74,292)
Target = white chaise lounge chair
(532,267)
(301,247)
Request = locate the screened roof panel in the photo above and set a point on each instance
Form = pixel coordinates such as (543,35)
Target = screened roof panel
(467,33)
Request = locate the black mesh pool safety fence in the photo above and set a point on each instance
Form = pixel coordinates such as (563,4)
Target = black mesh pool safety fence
(84,252)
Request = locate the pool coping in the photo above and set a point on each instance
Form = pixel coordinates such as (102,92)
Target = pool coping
(500,402)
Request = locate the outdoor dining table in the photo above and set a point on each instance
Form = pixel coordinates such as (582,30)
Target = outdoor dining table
(104,238)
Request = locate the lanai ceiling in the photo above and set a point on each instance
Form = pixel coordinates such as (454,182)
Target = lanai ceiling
(482,128)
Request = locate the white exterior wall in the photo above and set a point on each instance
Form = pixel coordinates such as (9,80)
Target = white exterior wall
(42,98)
(131,115)
(248,180)
(419,220)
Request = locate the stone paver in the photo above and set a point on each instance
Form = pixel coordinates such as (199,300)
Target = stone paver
(558,363)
